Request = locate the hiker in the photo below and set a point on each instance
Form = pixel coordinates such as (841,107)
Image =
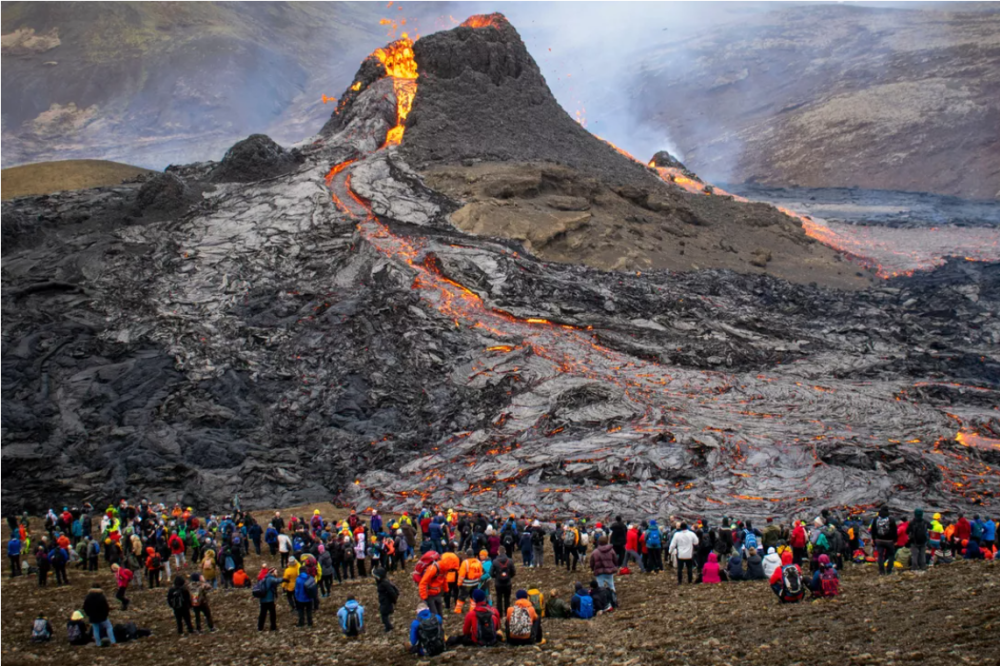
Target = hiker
(734,569)
(710,572)
(434,582)
(502,572)
(771,562)
(682,546)
(199,602)
(632,537)
(77,631)
(427,633)
(481,625)
(571,545)
(42,564)
(41,630)
(618,538)
(582,604)
(284,547)
(388,595)
(973,551)
(153,567)
(470,576)
(883,531)
(179,600)
(786,582)
(537,544)
(123,577)
(825,581)
(798,541)
(654,544)
(305,591)
(755,566)
(14,554)
(556,608)
(524,627)
(918,532)
(266,592)
(97,609)
(352,618)
(288,579)
(604,563)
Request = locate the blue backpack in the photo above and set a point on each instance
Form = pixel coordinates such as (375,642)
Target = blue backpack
(653,538)
(749,539)
(586,610)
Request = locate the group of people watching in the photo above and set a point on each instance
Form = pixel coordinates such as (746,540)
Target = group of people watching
(463,563)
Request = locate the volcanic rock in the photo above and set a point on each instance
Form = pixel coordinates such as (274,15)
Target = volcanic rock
(255,158)
(164,193)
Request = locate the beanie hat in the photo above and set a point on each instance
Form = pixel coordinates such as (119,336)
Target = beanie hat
(522,594)
(478,596)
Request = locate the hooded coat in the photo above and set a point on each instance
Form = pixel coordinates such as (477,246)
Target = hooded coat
(604,560)
(734,568)
(755,568)
(772,561)
(710,572)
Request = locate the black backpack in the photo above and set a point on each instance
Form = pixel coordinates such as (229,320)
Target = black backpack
(175,598)
(353,623)
(508,539)
(430,636)
(501,572)
(485,630)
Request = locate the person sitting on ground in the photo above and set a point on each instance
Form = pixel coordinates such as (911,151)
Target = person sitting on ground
(582,605)
(352,618)
(786,582)
(524,627)
(734,568)
(771,562)
(427,633)
(481,626)
(710,572)
(41,630)
(603,596)
(755,566)
(77,630)
(825,581)
(973,551)
(556,608)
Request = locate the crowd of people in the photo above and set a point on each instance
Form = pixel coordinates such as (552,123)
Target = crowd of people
(462,563)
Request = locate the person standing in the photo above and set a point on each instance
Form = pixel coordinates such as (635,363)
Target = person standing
(14,554)
(883,530)
(97,610)
(604,563)
(199,602)
(683,545)
(267,596)
(123,577)
(654,543)
(502,572)
(917,531)
(179,600)
(388,595)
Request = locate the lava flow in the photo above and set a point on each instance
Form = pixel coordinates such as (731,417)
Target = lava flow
(397,58)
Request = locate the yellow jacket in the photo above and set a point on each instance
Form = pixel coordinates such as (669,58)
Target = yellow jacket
(288,578)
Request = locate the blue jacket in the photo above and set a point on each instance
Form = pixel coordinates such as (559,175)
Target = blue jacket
(435,531)
(301,595)
(342,614)
(254,533)
(977,529)
(14,546)
(76,529)
(271,535)
(989,530)
(376,524)
(271,586)
(415,626)
(525,542)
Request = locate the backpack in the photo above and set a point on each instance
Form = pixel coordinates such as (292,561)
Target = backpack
(73,632)
(229,564)
(40,630)
(586,610)
(473,572)
(882,530)
(519,625)
(430,636)
(501,573)
(485,629)
(831,584)
(791,581)
(569,538)
(653,538)
(392,592)
(508,540)
(309,586)
(749,539)
(427,559)
(196,597)
(155,562)
(175,598)
(259,590)
(353,621)
(537,600)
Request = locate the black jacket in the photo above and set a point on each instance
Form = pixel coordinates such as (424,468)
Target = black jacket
(755,568)
(619,533)
(95,606)
(388,595)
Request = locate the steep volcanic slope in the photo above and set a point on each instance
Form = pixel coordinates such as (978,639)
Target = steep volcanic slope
(327,331)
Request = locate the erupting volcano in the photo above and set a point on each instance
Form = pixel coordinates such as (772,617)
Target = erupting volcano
(364,327)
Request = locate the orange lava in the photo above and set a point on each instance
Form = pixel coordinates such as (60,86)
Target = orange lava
(482,21)
(400,65)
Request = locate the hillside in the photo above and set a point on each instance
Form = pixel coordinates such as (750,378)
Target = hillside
(48,177)
(833,96)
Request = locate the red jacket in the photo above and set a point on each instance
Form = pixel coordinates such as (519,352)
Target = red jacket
(963,529)
(471,626)
(176,545)
(902,538)
(632,539)
(798,538)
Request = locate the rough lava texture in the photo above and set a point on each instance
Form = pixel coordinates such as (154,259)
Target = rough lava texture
(328,333)
(255,158)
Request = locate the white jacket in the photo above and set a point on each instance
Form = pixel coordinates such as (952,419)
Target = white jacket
(284,543)
(683,544)
(771,563)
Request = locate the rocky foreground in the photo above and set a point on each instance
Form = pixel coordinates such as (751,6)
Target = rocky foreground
(288,326)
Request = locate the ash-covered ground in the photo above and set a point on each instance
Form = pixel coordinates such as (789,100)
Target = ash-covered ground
(324,330)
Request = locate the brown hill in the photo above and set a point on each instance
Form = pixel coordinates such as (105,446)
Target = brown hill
(48,177)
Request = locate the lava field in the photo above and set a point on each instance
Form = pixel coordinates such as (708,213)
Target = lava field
(295,326)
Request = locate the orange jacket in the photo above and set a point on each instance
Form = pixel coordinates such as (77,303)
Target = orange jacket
(523,603)
(435,579)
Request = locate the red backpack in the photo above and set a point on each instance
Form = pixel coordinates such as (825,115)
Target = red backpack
(830,583)
(428,558)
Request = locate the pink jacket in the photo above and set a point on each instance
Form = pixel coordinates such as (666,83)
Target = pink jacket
(710,573)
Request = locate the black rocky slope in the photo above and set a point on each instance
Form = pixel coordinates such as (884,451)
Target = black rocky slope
(290,340)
